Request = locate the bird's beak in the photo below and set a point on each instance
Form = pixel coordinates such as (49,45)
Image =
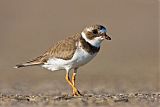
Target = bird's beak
(107,37)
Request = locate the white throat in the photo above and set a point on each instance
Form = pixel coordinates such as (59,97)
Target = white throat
(95,42)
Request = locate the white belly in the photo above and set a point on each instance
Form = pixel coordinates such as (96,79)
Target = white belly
(80,58)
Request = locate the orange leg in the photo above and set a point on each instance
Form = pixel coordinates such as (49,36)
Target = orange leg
(75,90)
(73,81)
(73,78)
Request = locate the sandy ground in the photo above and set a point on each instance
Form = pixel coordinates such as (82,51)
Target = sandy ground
(90,100)
(128,64)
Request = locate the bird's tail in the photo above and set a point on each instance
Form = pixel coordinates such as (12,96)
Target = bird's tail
(27,64)
(36,61)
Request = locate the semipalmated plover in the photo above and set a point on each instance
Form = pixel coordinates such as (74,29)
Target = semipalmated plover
(71,53)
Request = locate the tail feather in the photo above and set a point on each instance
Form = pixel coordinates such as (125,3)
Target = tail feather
(36,61)
(26,64)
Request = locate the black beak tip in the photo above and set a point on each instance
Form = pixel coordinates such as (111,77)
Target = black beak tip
(108,38)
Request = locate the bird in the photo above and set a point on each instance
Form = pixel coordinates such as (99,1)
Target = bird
(71,53)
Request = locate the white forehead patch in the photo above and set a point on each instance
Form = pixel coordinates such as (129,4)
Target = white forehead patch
(103,30)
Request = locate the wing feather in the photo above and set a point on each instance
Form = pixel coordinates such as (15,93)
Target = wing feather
(63,49)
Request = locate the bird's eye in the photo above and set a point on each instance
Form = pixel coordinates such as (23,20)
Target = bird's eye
(100,27)
(95,31)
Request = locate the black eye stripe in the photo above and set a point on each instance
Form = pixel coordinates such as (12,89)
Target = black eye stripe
(95,31)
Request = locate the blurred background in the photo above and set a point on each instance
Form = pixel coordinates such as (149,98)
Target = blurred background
(128,63)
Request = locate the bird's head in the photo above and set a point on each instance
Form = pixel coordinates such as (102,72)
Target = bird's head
(95,34)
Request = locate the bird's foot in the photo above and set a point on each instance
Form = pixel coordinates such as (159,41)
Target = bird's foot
(76,93)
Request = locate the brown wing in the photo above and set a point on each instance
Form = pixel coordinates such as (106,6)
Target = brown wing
(63,49)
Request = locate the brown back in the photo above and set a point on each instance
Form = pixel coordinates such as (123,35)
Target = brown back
(63,49)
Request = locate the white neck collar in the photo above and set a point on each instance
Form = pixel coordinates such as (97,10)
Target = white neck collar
(95,42)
